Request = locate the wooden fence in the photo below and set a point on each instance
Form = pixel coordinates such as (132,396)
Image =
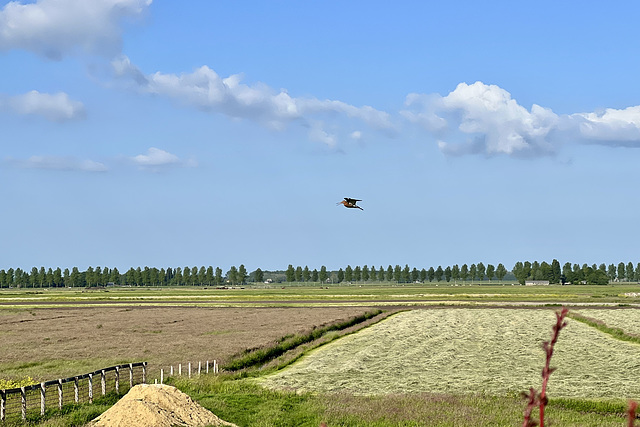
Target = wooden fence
(206,368)
(19,402)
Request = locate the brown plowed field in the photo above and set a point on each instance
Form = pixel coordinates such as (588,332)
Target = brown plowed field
(163,336)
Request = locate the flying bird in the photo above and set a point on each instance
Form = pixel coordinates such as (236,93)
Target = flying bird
(350,203)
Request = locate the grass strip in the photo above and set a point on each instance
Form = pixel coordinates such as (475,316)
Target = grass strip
(616,333)
(258,356)
(603,407)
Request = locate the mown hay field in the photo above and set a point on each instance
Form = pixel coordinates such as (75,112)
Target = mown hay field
(462,351)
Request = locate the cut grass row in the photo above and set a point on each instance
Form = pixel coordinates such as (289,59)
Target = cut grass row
(617,333)
(623,323)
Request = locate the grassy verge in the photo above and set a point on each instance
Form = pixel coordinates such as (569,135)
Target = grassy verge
(590,406)
(617,333)
(256,357)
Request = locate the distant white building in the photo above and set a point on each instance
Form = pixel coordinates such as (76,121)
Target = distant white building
(536,283)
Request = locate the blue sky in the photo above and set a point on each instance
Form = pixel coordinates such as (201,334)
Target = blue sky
(139,133)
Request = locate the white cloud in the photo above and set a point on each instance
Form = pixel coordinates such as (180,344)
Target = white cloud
(56,107)
(56,28)
(60,163)
(610,127)
(424,111)
(123,68)
(357,135)
(375,118)
(156,159)
(205,90)
(472,119)
(318,134)
(486,119)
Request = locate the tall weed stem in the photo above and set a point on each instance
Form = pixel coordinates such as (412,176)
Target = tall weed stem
(541,400)
(631,413)
(548,347)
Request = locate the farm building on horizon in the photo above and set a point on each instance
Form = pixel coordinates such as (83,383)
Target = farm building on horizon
(536,283)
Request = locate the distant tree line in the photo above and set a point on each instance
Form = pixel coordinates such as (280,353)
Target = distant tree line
(575,273)
(210,276)
(407,274)
(601,274)
(104,276)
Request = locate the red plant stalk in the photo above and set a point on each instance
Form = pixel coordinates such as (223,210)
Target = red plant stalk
(548,348)
(631,413)
(531,403)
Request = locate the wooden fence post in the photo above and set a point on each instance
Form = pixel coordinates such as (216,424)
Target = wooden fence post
(199,367)
(117,379)
(161,376)
(60,393)
(144,372)
(189,369)
(42,398)
(180,369)
(23,398)
(103,382)
(207,366)
(90,388)
(171,372)
(3,404)
(130,375)
(76,393)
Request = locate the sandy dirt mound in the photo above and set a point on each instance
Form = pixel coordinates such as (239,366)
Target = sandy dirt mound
(156,405)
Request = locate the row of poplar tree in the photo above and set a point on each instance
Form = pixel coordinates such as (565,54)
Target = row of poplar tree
(577,274)
(102,276)
(209,276)
(398,274)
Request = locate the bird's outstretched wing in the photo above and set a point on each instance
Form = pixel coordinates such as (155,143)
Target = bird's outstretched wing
(350,200)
